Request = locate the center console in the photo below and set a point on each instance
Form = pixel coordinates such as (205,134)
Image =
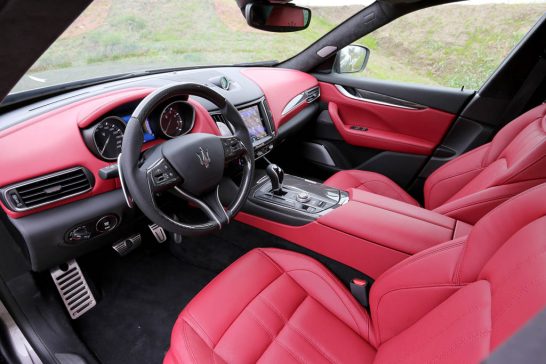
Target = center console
(366,231)
(293,200)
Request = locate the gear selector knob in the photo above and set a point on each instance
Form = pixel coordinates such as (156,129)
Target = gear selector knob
(276,175)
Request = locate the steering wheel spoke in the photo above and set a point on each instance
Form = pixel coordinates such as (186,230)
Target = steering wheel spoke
(209,203)
(233,148)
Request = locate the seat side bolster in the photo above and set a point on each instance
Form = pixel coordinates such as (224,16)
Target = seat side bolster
(324,287)
(447,180)
(472,208)
(407,291)
(191,347)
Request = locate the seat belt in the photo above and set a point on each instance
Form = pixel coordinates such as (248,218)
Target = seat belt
(532,82)
(359,289)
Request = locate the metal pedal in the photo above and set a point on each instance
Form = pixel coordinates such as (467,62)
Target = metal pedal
(73,288)
(125,246)
(159,233)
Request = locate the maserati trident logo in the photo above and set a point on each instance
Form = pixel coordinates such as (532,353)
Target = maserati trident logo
(204,157)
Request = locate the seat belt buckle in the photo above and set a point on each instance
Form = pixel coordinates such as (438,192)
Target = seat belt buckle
(359,289)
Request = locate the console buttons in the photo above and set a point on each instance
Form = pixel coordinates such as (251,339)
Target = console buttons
(106,223)
(303,197)
(163,175)
(91,229)
(233,148)
(79,233)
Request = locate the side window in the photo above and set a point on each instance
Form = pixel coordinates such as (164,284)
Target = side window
(452,45)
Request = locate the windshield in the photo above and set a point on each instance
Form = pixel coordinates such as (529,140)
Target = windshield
(114,37)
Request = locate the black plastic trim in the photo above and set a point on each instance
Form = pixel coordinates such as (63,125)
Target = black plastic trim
(44,232)
(450,100)
(298,121)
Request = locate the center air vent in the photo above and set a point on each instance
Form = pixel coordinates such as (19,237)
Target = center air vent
(47,189)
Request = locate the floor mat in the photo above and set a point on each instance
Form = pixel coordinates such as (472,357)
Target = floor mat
(142,295)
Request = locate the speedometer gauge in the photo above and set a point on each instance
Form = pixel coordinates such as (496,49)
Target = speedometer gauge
(176,119)
(108,136)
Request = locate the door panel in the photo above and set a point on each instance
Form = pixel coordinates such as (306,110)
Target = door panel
(385,126)
(379,126)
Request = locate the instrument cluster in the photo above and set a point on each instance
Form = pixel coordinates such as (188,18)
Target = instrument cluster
(170,120)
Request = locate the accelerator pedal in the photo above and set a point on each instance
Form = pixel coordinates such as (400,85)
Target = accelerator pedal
(159,233)
(73,288)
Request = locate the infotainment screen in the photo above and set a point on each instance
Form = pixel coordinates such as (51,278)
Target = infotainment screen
(253,122)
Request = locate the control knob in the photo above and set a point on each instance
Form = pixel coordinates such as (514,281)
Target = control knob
(303,197)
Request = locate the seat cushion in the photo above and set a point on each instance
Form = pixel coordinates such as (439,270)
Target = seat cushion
(371,182)
(272,306)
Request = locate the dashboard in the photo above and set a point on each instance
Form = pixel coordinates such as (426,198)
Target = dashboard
(54,150)
(84,129)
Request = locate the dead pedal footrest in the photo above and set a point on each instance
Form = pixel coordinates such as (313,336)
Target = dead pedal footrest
(73,288)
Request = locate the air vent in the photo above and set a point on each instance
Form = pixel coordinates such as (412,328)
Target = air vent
(219,118)
(47,189)
(312,94)
(222,124)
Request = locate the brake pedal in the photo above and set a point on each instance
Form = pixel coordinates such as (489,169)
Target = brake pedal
(73,288)
(159,233)
(125,246)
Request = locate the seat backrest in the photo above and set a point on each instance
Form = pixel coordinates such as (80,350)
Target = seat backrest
(476,182)
(470,296)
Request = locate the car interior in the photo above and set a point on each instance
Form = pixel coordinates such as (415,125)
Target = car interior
(272,213)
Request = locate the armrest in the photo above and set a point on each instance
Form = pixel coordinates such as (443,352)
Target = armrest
(392,223)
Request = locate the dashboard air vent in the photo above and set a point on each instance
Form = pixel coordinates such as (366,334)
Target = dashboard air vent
(312,94)
(219,118)
(47,189)
(222,124)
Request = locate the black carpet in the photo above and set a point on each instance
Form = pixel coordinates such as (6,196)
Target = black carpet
(143,293)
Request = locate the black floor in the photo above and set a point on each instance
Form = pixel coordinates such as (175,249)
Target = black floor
(143,293)
(142,296)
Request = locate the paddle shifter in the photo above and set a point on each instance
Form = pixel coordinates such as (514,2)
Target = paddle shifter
(276,175)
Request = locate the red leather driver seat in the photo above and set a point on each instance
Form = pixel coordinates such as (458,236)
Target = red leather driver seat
(473,184)
(452,303)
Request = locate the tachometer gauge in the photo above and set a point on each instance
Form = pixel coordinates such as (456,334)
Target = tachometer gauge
(108,136)
(176,119)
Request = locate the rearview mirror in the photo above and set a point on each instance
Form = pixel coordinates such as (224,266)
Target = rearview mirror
(351,59)
(277,17)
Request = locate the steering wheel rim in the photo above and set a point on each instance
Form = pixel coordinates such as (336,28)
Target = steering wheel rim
(203,156)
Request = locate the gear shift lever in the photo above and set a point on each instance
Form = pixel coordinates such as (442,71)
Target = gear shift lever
(276,175)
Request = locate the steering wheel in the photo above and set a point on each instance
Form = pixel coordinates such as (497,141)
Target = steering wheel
(190,166)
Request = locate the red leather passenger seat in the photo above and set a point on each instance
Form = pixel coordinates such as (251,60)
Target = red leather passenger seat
(453,303)
(473,184)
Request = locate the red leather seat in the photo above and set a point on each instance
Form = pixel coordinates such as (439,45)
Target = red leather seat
(453,303)
(473,184)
